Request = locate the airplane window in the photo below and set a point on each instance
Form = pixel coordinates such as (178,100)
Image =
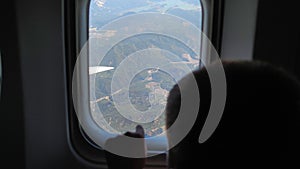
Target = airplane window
(135,54)
(130,54)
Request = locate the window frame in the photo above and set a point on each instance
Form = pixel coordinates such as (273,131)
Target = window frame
(76,25)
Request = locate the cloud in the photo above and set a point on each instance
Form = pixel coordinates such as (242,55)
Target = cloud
(100,3)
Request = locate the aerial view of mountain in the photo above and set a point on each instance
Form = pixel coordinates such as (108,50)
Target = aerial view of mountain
(150,87)
(105,11)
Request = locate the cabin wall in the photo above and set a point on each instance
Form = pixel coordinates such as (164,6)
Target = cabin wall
(40,33)
(278,34)
(11,101)
(239,29)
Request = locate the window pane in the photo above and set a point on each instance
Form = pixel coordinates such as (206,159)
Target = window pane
(149,86)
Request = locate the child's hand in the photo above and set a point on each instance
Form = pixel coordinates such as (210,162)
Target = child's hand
(119,162)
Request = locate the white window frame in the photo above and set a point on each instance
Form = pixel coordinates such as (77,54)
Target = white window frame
(82,26)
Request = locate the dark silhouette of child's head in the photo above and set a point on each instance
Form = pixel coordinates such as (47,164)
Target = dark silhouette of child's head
(260,123)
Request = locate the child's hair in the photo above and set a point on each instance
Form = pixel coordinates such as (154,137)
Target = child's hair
(260,122)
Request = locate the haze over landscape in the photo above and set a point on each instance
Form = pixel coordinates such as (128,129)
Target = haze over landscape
(149,88)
